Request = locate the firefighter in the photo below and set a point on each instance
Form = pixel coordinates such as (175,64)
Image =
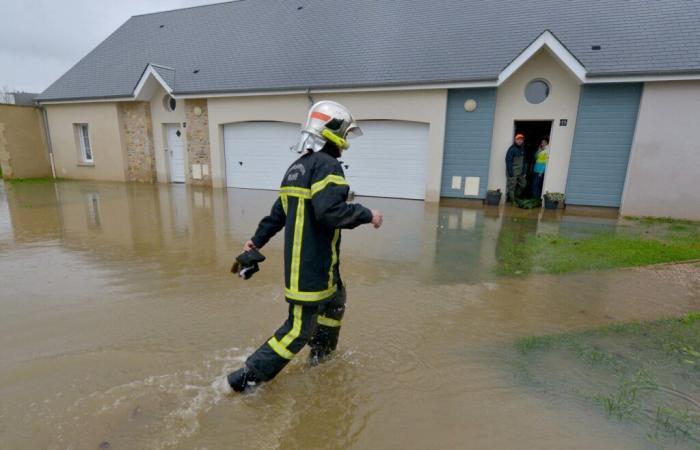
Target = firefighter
(515,169)
(312,208)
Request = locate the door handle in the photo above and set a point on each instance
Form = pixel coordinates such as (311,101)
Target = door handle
(240,163)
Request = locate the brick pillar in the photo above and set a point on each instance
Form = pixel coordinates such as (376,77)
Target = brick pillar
(198,142)
(138,135)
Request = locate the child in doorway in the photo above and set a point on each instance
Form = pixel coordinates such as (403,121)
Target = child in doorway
(541,160)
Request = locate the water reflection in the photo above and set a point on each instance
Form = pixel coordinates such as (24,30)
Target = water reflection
(444,244)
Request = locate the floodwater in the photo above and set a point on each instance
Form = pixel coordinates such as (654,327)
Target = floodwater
(119,312)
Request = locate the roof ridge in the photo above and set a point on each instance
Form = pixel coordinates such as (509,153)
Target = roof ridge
(187,7)
(161,66)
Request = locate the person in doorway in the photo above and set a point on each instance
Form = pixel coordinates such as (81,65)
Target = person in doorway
(312,208)
(515,169)
(541,160)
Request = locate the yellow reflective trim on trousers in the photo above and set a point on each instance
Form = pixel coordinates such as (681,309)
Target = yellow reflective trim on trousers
(296,246)
(296,327)
(309,296)
(320,185)
(334,256)
(277,347)
(296,191)
(280,347)
(284,200)
(328,322)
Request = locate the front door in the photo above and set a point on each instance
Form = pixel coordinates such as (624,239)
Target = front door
(176,153)
(534,131)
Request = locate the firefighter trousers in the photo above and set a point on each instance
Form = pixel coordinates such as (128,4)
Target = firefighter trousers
(316,325)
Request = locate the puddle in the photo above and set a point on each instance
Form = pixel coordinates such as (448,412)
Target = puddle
(119,312)
(646,374)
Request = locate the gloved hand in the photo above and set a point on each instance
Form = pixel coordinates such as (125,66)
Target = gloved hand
(246,264)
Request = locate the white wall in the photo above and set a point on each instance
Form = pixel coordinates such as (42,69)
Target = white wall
(105,140)
(511,105)
(664,167)
(159,117)
(419,106)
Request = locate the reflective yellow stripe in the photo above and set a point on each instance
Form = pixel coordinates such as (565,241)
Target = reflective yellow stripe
(296,191)
(311,296)
(283,198)
(296,246)
(334,138)
(320,185)
(277,347)
(280,347)
(328,322)
(296,327)
(334,257)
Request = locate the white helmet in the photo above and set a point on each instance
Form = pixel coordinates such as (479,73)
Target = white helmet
(328,122)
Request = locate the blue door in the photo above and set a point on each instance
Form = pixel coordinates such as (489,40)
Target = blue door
(605,125)
(467,148)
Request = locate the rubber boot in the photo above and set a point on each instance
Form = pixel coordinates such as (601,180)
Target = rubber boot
(323,343)
(242,380)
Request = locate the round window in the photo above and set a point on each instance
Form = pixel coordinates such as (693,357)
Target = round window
(537,91)
(169,103)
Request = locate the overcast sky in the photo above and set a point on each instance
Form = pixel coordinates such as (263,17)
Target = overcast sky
(41,39)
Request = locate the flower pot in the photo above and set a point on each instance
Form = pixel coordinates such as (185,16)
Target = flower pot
(550,204)
(493,198)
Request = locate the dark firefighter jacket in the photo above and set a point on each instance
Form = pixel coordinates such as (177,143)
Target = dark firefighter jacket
(515,161)
(312,208)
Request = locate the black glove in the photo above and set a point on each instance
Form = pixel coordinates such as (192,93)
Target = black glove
(246,264)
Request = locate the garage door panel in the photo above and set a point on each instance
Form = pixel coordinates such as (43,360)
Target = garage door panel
(389,160)
(257,153)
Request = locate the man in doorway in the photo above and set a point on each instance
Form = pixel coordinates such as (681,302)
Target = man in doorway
(541,160)
(515,169)
(312,208)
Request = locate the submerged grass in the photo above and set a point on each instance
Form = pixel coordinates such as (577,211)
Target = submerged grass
(39,180)
(645,373)
(644,241)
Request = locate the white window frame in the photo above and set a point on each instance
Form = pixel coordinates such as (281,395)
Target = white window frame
(83,134)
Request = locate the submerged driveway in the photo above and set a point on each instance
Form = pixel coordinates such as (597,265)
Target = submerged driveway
(118,312)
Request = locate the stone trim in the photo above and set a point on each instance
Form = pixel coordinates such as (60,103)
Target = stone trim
(138,139)
(198,151)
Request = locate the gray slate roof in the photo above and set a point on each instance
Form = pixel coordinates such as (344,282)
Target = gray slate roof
(261,45)
(166,73)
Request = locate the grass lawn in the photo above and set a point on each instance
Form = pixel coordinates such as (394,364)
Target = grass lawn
(646,374)
(636,242)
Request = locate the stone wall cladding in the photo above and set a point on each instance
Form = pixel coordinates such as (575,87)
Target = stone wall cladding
(138,135)
(198,151)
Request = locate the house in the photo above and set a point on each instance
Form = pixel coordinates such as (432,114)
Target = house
(215,95)
(18,98)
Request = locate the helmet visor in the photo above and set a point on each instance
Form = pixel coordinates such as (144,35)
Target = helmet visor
(353,132)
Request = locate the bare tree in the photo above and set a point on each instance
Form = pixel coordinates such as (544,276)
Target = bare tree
(6,95)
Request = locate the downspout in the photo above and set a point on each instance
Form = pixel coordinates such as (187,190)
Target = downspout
(47,135)
(308,95)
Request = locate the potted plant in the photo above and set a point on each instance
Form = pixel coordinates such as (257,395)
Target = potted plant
(553,199)
(493,197)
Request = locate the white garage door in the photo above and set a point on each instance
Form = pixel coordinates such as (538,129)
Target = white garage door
(388,161)
(257,153)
